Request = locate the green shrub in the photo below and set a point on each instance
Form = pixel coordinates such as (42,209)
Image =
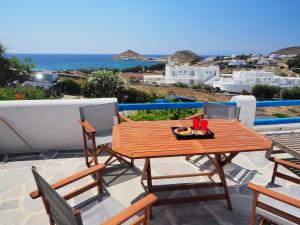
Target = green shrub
(293,93)
(89,71)
(133,95)
(70,86)
(156,67)
(280,115)
(135,69)
(262,91)
(294,63)
(167,114)
(104,84)
(134,80)
(29,93)
(181,85)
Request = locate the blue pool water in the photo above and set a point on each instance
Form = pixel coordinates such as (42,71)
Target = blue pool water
(79,61)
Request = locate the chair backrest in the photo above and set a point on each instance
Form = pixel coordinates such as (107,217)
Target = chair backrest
(59,210)
(102,117)
(221,111)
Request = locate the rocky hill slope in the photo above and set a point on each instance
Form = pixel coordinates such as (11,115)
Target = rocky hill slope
(128,55)
(288,51)
(185,56)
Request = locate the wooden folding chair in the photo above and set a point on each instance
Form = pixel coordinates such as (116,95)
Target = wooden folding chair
(289,154)
(97,122)
(60,212)
(217,111)
(279,205)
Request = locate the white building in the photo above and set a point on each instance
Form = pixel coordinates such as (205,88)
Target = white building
(154,79)
(209,59)
(191,75)
(245,80)
(237,62)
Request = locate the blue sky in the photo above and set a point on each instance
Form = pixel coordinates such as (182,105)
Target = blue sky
(153,27)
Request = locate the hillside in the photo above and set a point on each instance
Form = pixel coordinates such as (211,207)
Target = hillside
(129,55)
(185,56)
(288,51)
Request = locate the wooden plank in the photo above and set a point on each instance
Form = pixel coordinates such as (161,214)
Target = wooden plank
(81,190)
(190,199)
(182,175)
(184,186)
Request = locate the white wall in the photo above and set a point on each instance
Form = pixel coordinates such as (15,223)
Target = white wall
(44,124)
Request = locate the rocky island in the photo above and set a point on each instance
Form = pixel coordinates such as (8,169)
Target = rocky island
(129,55)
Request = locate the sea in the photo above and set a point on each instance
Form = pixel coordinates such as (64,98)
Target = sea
(57,62)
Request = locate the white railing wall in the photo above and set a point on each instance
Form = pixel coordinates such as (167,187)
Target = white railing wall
(43,124)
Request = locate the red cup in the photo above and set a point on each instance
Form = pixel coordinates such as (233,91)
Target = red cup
(196,123)
(204,125)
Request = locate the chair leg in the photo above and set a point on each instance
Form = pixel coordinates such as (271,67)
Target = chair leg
(253,209)
(99,180)
(261,221)
(274,172)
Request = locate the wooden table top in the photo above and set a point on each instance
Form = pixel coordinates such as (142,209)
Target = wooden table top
(289,143)
(150,139)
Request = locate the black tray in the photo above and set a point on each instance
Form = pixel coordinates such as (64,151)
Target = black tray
(207,135)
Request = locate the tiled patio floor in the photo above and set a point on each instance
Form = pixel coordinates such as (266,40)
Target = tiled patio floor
(123,185)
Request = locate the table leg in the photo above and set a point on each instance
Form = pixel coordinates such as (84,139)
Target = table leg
(144,173)
(148,176)
(149,182)
(223,179)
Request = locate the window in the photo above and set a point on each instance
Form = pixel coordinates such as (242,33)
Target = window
(173,73)
(192,73)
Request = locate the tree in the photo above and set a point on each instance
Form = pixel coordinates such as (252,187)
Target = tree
(104,84)
(13,69)
(294,63)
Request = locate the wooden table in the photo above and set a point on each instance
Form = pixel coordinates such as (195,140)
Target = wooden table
(154,139)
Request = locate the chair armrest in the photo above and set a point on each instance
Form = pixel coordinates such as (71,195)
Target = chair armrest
(126,119)
(132,210)
(201,115)
(89,128)
(275,195)
(285,163)
(77,176)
